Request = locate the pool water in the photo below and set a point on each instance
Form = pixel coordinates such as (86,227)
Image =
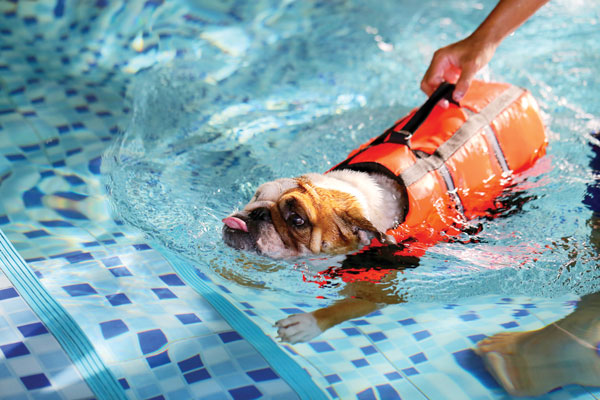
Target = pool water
(284,92)
(128,130)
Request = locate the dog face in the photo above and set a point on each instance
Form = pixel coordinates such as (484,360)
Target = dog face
(290,218)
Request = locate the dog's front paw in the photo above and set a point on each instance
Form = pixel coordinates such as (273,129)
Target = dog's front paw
(298,328)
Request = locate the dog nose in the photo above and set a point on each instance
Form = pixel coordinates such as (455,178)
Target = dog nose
(260,214)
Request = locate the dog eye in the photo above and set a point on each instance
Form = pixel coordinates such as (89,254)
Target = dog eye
(296,220)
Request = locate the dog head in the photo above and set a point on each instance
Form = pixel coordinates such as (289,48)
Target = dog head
(290,218)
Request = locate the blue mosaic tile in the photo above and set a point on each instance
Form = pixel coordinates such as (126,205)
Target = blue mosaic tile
(332,392)
(36,381)
(387,392)
(79,257)
(113,328)
(80,289)
(228,337)
(158,360)
(377,336)
(70,214)
(124,383)
(190,363)
(33,198)
(14,349)
(351,331)
(94,165)
(333,378)
(118,299)
(189,318)
(392,376)
(171,280)
(321,347)
(120,271)
(367,394)
(245,393)
(476,338)
(71,196)
(36,234)
(196,376)
(410,371)
(56,224)
(367,350)
(261,375)
(469,317)
(292,310)
(418,358)
(361,362)
(421,335)
(151,340)
(8,293)
(33,329)
(164,293)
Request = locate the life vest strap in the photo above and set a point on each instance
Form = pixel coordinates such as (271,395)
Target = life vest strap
(402,136)
(468,130)
(444,91)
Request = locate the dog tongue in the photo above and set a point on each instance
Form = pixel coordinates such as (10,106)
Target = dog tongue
(235,223)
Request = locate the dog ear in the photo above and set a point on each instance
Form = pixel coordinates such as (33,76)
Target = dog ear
(365,230)
(366,237)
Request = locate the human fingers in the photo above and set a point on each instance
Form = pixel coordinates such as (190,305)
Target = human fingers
(464,81)
(434,76)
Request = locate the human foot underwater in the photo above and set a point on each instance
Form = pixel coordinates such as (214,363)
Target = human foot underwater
(535,362)
(564,352)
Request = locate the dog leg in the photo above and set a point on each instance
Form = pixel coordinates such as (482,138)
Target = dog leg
(304,327)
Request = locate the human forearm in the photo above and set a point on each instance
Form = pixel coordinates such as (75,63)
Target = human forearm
(459,62)
(505,18)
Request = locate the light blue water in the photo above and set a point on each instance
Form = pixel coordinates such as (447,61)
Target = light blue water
(283,89)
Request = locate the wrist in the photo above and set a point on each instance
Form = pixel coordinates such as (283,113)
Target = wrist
(486,37)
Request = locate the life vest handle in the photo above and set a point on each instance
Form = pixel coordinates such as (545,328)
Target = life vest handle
(444,91)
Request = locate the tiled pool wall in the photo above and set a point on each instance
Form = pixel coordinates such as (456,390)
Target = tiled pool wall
(63,98)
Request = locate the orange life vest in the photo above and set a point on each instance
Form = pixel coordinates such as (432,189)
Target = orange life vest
(455,162)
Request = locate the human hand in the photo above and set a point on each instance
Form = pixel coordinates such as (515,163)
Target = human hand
(457,63)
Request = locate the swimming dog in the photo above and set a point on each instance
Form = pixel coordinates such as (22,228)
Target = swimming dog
(419,181)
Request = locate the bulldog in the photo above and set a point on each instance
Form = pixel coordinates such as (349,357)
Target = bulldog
(418,182)
(334,213)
